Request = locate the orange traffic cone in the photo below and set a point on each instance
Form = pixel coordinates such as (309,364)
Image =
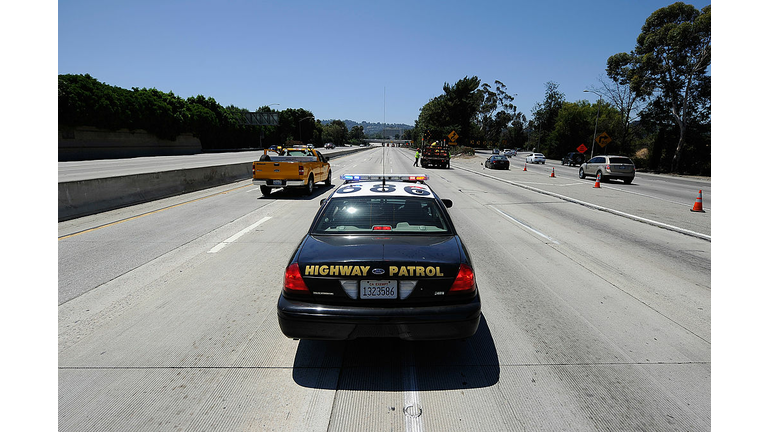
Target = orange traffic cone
(697,206)
(525,167)
(553,172)
(597,182)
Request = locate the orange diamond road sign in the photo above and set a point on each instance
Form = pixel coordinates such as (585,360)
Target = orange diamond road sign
(453,136)
(582,148)
(603,139)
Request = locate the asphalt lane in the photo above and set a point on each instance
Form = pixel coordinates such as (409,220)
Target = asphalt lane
(591,321)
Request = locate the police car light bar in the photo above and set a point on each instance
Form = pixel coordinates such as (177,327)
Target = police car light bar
(384,177)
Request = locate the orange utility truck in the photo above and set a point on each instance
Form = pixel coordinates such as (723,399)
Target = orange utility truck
(435,154)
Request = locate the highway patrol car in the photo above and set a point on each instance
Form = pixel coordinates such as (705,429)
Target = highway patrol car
(381,259)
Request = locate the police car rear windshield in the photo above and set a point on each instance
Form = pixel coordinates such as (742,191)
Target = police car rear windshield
(378,215)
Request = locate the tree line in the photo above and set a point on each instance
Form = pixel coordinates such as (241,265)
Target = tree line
(84,101)
(654,103)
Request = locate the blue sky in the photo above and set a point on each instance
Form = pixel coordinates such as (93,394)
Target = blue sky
(363,61)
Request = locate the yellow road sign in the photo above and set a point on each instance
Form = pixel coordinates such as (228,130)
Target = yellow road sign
(603,139)
(453,136)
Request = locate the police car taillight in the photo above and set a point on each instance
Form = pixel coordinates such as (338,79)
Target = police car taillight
(293,282)
(465,280)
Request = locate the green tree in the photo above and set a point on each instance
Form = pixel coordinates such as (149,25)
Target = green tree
(454,110)
(162,114)
(670,64)
(431,124)
(84,101)
(496,112)
(356,134)
(335,132)
(296,125)
(618,92)
(203,121)
(462,103)
(575,125)
(516,134)
(544,118)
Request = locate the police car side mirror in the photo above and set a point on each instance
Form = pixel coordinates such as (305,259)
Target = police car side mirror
(322,201)
(448,203)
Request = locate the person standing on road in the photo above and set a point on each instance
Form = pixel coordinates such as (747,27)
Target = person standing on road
(416,162)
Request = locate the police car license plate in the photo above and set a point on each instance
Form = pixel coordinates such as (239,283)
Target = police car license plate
(378,289)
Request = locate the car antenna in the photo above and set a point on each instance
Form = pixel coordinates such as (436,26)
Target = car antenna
(383,178)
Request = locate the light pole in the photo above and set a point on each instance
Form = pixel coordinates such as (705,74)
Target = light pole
(594,135)
(308,117)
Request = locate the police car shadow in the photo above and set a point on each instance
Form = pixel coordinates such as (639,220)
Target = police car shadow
(397,365)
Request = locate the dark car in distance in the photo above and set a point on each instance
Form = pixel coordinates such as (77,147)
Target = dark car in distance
(573,159)
(497,162)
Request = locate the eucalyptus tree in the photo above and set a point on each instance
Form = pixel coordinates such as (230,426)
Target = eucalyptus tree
(496,112)
(617,91)
(516,132)
(670,64)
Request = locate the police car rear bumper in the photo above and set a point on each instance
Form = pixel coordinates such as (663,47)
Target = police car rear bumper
(302,320)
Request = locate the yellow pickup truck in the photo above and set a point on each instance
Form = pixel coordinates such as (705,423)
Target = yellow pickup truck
(297,167)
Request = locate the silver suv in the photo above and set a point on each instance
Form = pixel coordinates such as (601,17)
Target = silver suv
(609,167)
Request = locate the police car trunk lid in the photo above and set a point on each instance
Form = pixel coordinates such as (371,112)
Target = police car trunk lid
(425,265)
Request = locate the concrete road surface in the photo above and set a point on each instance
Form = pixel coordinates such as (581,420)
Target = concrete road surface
(591,321)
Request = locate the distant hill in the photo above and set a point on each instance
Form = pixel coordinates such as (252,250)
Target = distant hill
(372,128)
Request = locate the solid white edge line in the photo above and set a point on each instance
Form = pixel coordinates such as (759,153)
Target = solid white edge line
(242,232)
(601,208)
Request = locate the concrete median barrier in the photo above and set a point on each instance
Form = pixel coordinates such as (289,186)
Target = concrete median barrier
(87,197)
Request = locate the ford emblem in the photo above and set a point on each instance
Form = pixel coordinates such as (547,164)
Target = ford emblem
(378,271)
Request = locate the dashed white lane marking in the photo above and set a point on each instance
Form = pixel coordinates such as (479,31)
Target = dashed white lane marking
(232,239)
(597,207)
(539,233)
(411,405)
